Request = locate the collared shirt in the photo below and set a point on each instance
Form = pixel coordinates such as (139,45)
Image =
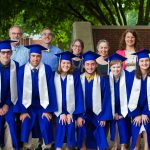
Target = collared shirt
(89,78)
(37,67)
(50,58)
(20,54)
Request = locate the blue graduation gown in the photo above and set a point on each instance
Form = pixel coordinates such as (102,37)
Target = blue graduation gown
(78,66)
(90,117)
(124,123)
(142,109)
(69,129)
(35,110)
(6,99)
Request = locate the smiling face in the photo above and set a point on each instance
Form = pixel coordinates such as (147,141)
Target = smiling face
(90,67)
(35,59)
(103,49)
(77,48)
(144,63)
(65,66)
(47,36)
(116,68)
(129,39)
(5,55)
(15,34)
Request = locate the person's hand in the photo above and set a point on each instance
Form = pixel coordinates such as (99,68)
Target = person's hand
(24,116)
(120,117)
(5,109)
(102,123)
(145,119)
(63,119)
(47,115)
(137,120)
(116,116)
(80,122)
(1,112)
(69,118)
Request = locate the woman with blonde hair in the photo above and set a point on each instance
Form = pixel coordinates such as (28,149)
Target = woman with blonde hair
(102,50)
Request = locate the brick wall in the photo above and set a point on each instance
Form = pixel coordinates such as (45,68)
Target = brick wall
(28,41)
(113,35)
(110,33)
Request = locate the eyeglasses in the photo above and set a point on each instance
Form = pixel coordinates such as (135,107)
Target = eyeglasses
(79,46)
(14,33)
(47,34)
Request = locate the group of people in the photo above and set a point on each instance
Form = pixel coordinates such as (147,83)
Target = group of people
(83,93)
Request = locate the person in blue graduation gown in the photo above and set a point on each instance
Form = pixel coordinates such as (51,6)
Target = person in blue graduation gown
(8,96)
(139,102)
(37,97)
(69,100)
(120,90)
(97,103)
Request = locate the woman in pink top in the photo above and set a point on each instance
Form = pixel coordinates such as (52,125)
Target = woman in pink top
(129,44)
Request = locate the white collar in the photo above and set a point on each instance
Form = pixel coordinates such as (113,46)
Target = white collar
(31,67)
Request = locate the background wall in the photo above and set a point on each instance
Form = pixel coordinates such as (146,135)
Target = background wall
(92,34)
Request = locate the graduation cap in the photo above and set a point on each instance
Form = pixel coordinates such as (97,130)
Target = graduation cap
(6,44)
(35,48)
(65,55)
(142,54)
(89,55)
(115,56)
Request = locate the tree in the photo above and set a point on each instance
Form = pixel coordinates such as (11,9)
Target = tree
(59,15)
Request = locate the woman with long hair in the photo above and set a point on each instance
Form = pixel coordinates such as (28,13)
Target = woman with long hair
(69,100)
(129,44)
(139,101)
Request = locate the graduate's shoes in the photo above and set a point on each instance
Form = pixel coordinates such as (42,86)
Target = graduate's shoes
(39,147)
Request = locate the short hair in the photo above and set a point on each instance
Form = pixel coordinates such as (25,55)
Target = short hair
(46,28)
(102,41)
(16,26)
(81,43)
(113,62)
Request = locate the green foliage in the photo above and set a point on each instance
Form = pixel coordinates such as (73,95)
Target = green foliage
(59,15)
(132,18)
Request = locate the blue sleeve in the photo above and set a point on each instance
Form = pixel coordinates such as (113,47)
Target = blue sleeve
(8,100)
(145,110)
(106,113)
(135,113)
(79,100)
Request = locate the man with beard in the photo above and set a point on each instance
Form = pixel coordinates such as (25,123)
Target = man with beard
(48,56)
(19,52)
